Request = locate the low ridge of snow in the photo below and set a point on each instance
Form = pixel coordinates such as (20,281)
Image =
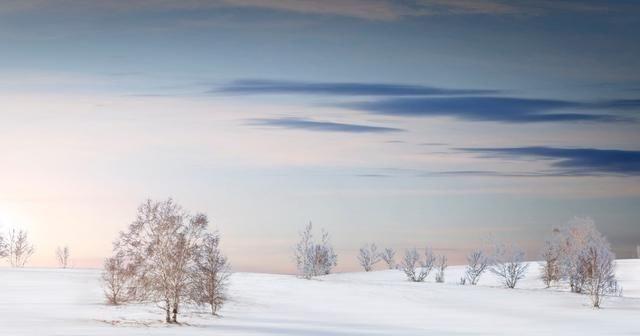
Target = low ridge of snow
(70,302)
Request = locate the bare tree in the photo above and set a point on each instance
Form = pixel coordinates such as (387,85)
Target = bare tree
(303,253)
(210,275)
(117,279)
(477,263)
(441,265)
(638,251)
(429,260)
(4,247)
(508,264)
(388,255)
(19,248)
(600,266)
(368,256)
(314,259)
(415,269)
(62,255)
(161,245)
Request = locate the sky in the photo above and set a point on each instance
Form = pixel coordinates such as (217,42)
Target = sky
(404,123)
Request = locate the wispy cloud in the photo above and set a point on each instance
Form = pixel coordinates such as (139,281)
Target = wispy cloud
(319,126)
(498,109)
(264,87)
(375,10)
(389,10)
(572,161)
(433,144)
(364,9)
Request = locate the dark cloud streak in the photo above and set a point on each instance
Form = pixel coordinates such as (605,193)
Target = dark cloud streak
(497,109)
(265,87)
(573,161)
(320,126)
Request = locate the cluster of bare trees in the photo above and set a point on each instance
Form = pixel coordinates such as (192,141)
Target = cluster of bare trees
(506,262)
(576,253)
(16,247)
(167,256)
(314,258)
(580,255)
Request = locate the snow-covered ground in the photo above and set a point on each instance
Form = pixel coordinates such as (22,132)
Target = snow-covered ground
(70,302)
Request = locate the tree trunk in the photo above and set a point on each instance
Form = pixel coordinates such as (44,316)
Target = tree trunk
(167,310)
(174,318)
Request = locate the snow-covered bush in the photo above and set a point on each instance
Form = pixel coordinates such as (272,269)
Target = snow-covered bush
(368,256)
(477,263)
(313,259)
(508,264)
(441,265)
(415,269)
(210,274)
(62,256)
(160,248)
(389,255)
(19,249)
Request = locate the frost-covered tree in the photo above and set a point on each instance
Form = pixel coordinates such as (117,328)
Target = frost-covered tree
(598,266)
(161,245)
(585,259)
(389,255)
(508,264)
(477,263)
(550,267)
(314,259)
(441,266)
(414,268)
(368,256)
(210,274)
(62,256)
(19,248)
(574,238)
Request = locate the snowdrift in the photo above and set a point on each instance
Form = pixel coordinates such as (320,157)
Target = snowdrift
(70,302)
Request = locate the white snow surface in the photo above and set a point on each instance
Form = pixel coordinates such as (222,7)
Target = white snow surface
(70,302)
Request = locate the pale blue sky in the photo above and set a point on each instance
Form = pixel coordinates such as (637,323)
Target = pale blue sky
(405,123)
